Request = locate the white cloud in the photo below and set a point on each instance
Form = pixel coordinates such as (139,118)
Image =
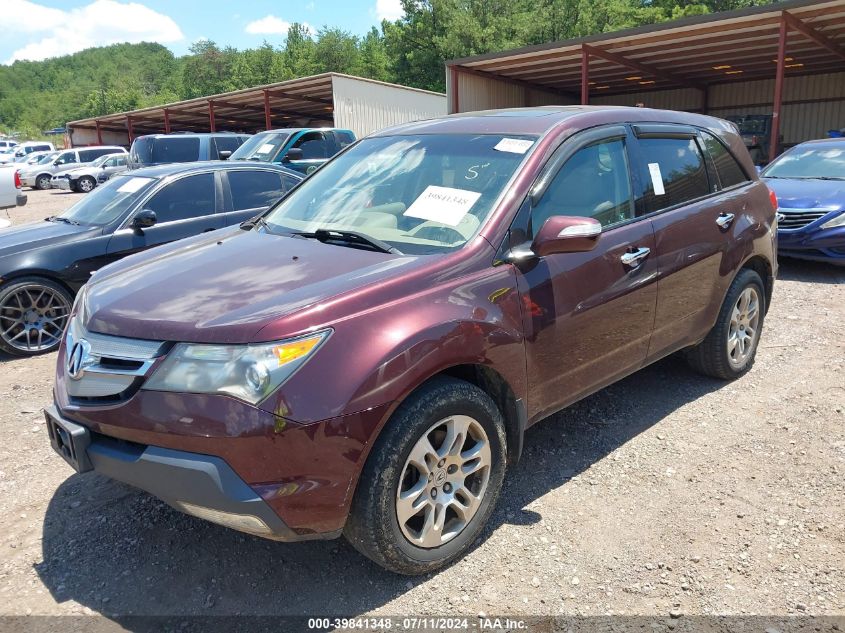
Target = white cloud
(389,10)
(98,23)
(268,25)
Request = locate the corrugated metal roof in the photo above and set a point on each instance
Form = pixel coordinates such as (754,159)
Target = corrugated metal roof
(693,52)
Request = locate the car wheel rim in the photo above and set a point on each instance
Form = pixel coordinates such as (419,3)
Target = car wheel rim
(33,317)
(85,185)
(443,481)
(43,182)
(745,327)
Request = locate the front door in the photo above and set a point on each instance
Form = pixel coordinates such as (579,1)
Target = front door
(588,316)
(183,208)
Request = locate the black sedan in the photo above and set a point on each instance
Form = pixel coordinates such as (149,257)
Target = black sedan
(42,266)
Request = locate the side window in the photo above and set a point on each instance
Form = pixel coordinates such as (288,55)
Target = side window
(119,161)
(313,145)
(226,144)
(674,166)
(288,183)
(595,182)
(254,189)
(87,155)
(344,138)
(727,168)
(66,158)
(189,197)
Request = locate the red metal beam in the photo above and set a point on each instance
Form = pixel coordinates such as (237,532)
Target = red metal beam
(268,120)
(129,128)
(811,33)
(585,75)
(778,98)
(211,125)
(166,121)
(99,132)
(456,102)
(642,68)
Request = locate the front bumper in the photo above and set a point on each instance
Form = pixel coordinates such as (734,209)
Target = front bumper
(60,183)
(813,243)
(201,485)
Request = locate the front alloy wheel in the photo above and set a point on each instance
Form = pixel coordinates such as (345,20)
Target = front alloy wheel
(85,184)
(443,481)
(431,479)
(33,315)
(744,327)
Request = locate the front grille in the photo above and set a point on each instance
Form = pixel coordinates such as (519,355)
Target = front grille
(798,218)
(112,367)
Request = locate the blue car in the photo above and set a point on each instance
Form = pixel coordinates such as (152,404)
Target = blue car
(301,149)
(809,182)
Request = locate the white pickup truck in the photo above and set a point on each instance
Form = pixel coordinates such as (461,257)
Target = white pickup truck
(10,188)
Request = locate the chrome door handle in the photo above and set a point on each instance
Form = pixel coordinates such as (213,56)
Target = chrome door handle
(724,220)
(635,257)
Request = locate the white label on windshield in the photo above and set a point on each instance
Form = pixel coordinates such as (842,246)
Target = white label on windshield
(133,184)
(265,149)
(513,145)
(656,179)
(442,204)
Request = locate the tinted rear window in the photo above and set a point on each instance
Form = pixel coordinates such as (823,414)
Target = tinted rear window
(728,170)
(254,189)
(678,163)
(226,144)
(176,149)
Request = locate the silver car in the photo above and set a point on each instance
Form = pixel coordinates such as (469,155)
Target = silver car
(84,179)
(39,176)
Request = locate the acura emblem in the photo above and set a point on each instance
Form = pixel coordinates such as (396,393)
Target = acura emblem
(78,359)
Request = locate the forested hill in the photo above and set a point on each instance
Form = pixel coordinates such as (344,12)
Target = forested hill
(36,96)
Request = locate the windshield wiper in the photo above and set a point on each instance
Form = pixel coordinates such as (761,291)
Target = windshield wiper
(58,218)
(351,237)
(828,178)
(248,225)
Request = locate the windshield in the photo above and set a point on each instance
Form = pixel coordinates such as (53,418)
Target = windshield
(108,202)
(420,194)
(809,162)
(47,159)
(262,147)
(150,150)
(102,159)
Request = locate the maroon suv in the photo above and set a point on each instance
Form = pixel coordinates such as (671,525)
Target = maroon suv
(365,357)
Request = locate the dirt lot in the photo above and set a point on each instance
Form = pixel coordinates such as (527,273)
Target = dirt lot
(666,492)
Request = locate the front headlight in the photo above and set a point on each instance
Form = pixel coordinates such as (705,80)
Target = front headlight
(839,220)
(248,372)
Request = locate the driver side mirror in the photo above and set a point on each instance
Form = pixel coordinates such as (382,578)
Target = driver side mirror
(144,219)
(223,154)
(294,153)
(566,234)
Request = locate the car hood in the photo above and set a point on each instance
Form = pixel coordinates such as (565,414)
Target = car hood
(798,193)
(18,239)
(226,286)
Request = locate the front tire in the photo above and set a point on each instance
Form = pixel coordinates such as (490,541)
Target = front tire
(730,348)
(43,182)
(85,184)
(33,315)
(432,479)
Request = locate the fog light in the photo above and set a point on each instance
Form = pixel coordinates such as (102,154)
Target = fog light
(241,522)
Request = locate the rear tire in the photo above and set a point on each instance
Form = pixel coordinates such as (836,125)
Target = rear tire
(729,350)
(412,523)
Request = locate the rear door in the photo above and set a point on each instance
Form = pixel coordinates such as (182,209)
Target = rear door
(692,225)
(250,192)
(588,316)
(184,207)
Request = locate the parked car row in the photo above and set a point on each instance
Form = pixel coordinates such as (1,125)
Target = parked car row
(14,150)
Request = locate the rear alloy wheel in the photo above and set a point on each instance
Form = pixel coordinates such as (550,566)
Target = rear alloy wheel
(731,346)
(431,480)
(33,315)
(85,184)
(42,182)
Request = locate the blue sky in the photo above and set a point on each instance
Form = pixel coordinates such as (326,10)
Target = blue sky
(38,29)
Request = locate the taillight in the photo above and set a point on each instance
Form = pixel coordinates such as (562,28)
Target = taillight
(773,199)
(17,179)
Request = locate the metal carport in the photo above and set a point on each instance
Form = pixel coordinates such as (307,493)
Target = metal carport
(330,99)
(786,59)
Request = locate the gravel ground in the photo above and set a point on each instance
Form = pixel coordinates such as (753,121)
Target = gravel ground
(667,492)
